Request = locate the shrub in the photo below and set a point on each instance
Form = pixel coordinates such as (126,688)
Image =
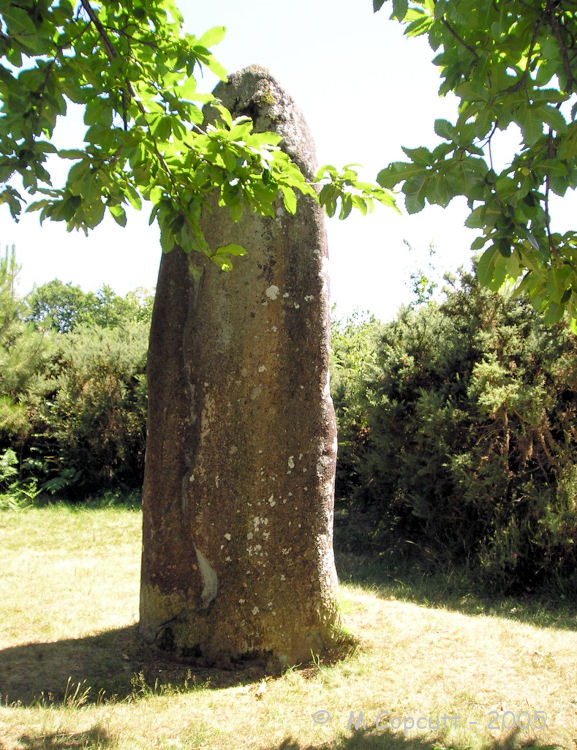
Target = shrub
(468,446)
(23,356)
(14,495)
(353,367)
(94,413)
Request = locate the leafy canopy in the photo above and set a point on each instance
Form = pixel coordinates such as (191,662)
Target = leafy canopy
(509,64)
(132,68)
(64,307)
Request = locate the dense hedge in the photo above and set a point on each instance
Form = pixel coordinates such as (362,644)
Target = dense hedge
(460,440)
(457,422)
(72,387)
(92,421)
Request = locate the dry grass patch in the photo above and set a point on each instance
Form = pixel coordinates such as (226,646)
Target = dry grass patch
(73,673)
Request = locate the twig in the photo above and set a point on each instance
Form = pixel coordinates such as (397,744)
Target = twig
(488,142)
(459,39)
(112,55)
(523,80)
(108,46)
(554,21)
(552,249)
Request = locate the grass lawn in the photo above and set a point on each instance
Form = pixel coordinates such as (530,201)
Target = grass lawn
(436,667)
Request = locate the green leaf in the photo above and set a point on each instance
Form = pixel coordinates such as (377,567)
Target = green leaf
(328,199)
(212,36)
(71,153)
(554,167)
(472,92)
(224,113)
(414,195)
(118,214)
(419,155)
(133,197)
(13,199)
(188,89)
(377,5)
(531,124)
(289,199)
(346,206)
(396,172)
(419,24)
(78,175)
(400,8)
(234,208)
(98,112)
(224,253)
(18,21)
(167,241)
(553,313)
(444,129)
(161,128)
(553,118)
(218,69)
(476,219)
(360,204)
(479,243)
(440,192)
(486,266)
(94,213)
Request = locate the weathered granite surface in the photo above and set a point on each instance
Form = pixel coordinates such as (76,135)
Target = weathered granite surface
(240,464)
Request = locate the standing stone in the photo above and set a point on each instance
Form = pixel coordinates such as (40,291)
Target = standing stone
(240,463)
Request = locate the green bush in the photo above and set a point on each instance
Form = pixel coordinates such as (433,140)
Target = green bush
(468,448)
(353,367)
(72,388)
(14,494)
(24,353)
(94,412)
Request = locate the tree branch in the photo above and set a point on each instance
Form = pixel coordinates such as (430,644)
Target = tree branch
(130,92)
(459,39)
(556,29)
(112,55)
(488,143)
(523,80)
(108,46)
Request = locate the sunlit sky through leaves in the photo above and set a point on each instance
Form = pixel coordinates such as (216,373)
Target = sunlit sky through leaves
(365,91)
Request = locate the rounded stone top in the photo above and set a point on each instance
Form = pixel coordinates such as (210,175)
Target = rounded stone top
(254,92)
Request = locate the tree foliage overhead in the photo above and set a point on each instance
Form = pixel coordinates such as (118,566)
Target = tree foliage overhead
(132,68)
(509,64)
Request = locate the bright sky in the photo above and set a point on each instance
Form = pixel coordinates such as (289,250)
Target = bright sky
(365,91)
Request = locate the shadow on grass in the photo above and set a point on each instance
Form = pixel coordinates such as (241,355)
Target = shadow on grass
(377,740)
(454,590)
(95,738)
(111,666)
